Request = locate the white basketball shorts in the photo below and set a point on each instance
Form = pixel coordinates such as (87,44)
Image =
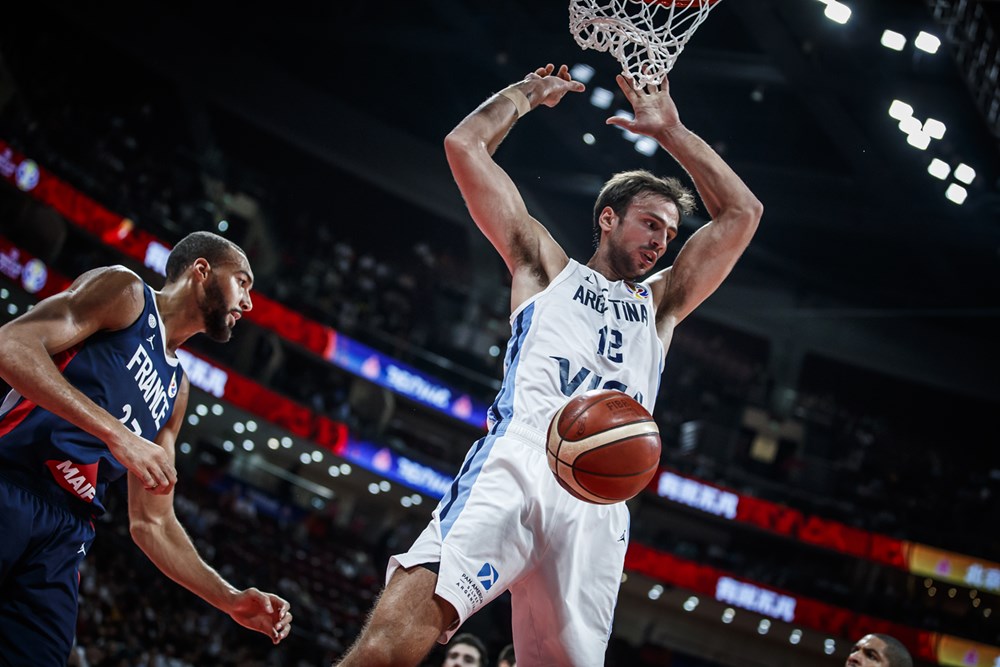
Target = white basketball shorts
(507,524)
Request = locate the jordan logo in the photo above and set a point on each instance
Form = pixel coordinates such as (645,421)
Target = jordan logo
(488,576)
(150,341)
(622,538)
(82,549)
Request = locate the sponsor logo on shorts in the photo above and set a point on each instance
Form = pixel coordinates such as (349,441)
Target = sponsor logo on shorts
(468,586)
(488,576)
(78,479)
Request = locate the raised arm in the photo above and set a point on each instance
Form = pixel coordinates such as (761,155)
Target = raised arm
(105,299)
(711,252)
(531,254)
(156,529)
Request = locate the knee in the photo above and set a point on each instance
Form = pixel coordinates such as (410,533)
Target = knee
(376,647)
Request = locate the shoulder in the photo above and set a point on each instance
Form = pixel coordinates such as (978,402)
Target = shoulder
(115,292)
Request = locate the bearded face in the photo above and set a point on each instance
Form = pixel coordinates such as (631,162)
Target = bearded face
(215,311)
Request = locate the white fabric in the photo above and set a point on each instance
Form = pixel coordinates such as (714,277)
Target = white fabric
(512,526)
(582,332)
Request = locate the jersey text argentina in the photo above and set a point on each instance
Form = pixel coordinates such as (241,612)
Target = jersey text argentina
(126,372)
(582,332)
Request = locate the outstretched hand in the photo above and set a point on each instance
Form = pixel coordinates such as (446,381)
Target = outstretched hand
(554,84)
(653,109)
(264,612)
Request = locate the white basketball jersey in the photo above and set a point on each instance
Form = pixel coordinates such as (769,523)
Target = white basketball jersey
(582,332)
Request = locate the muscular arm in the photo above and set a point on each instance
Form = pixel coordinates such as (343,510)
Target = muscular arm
(531,254)
(105,299)
(155,528)
(710,254)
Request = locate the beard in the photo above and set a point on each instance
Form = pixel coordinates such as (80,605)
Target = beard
(623,263)
(214,311)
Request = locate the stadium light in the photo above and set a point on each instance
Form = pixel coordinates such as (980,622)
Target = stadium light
(646,146)
(919,139)
(927,42)
(837,12)
(900,110)
(581,72)
(957,194)
(893,40)
(934,128)
(910,125)
(965,173)
(601,97)
(938,169)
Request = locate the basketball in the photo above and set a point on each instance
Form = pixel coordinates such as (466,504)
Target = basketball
(603,446)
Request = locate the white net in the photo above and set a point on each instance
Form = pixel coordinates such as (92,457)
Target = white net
(646,36)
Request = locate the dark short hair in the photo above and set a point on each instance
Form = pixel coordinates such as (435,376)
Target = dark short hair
(625,186)
(507,653)
(476,643)
(212,247)
(895,652)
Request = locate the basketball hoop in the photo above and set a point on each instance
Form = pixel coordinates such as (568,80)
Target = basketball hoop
(646,36)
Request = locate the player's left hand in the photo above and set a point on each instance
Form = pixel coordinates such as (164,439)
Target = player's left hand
(652,106)
(264,612)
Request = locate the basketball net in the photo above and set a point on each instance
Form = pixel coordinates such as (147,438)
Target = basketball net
(646,36)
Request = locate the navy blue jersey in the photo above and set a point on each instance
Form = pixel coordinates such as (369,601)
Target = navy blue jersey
(126,372)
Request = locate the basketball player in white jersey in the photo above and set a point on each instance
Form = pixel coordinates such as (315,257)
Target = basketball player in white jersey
(506,524)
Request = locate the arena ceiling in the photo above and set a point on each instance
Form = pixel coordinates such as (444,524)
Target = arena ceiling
(859,256)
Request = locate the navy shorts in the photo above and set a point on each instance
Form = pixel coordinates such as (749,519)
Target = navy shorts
(41,548)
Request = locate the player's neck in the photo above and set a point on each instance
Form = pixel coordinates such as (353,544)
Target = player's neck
(598,262)
(180,319)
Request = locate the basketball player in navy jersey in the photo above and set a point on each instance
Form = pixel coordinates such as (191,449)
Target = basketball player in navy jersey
(506,524)
(97,392)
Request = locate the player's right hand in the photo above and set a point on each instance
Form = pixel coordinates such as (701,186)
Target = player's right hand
(554,84)
(147,461)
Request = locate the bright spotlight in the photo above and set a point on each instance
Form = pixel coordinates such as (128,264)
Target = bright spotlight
(900,110)
(601,97)
(837,12)
(938,169)
(581,72)
(965,173)
(646,146)
(927,42)
(919,140)
(957,194)
(893,40)
(934,128)
(910,125)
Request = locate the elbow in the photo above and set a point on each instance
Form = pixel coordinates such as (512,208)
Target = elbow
(143,531)
(457,143)
(751,211)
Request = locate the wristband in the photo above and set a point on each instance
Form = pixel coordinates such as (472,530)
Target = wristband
(519,99)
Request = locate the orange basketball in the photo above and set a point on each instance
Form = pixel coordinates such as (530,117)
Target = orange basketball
(603,446)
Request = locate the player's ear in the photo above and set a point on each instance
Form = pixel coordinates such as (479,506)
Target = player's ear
(200,269)
(607,218)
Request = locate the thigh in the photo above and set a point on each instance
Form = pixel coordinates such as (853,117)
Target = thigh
(38,595)
(486,532)
(562,613)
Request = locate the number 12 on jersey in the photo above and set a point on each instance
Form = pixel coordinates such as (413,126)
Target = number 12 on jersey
(609,344)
